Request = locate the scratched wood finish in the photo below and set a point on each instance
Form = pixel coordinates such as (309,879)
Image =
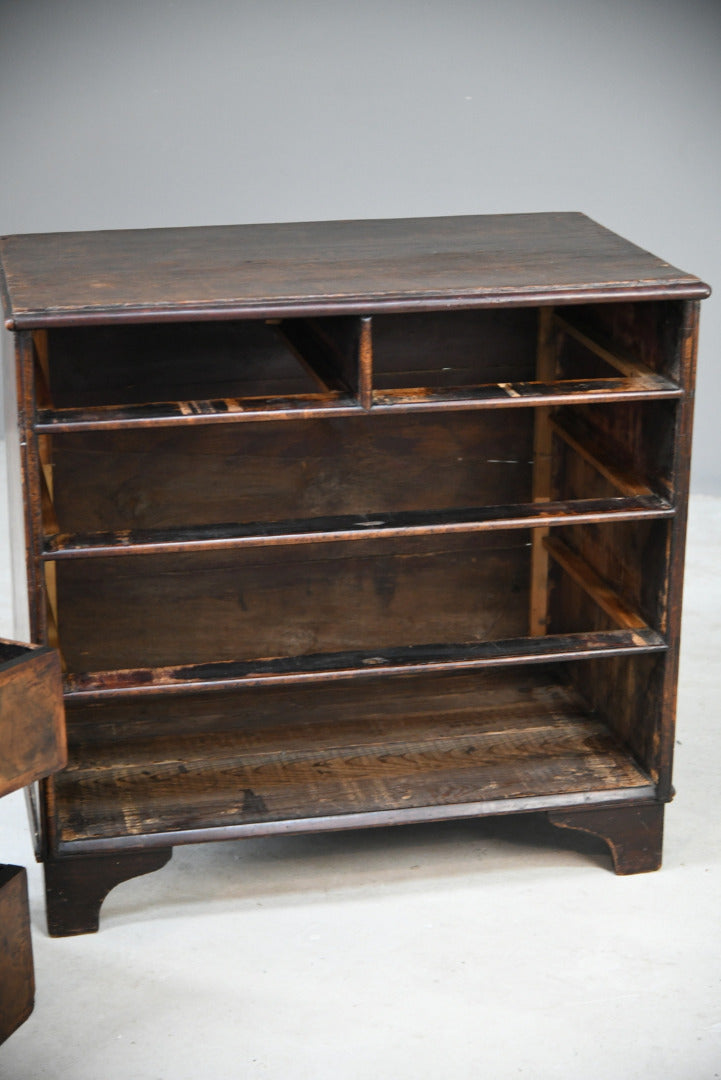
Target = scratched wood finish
(618,449)
(94,726)
(330,267)
(280,521)
(309,768)
(302,600)
(516,395)
(665,337)
(358,666)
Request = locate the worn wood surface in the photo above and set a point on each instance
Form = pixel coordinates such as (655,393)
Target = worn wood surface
(242,604)
(497,742)
(357,666)
(324,530)
(337,267)
(271,472)
(35,482)
(663,736)
(303,600)
(248,711)
(622,613)
(32,720)
(513,395)
(209,417)
(610,459)
(17,979)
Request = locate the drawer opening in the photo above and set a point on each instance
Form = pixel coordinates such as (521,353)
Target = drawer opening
(218,484)
(314,611)
(501,354)
(179,478)
(456,744)
(188,366)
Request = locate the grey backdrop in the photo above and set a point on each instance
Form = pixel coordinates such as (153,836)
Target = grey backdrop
(132,113)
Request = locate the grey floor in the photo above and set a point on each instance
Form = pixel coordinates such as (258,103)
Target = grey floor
(486,949)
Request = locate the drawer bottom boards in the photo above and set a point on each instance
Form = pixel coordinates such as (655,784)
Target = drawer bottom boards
(401,750)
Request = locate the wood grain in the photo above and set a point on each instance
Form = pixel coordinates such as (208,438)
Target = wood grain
(333,529)
(545,745)
(332,267)
(288,533)
(359,666)
(32,720)
(156,610)
(271,472)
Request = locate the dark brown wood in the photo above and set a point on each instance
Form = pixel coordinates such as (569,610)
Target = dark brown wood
(329,267)
(609,460)
(291,602)
(300,768)
(17,977)
(634,834)
(606,351)
(329,530)
(305,569)
(524,394)
(449,351)
(332,667)
(606,598)
(329,349)
(32,720)
(546,350)
(95,725)
(512,395)
(32,744)
(275,472)
(662,737)
(76,887)
(136,365)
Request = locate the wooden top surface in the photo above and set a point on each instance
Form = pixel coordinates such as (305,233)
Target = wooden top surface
(328,267)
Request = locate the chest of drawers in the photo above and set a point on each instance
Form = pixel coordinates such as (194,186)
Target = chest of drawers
(348,524)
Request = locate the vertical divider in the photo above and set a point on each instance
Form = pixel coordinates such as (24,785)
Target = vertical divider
(40,344)
(664,740)
(51,592)
(44,444)
(365,362)
(542,475)
(32,469)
